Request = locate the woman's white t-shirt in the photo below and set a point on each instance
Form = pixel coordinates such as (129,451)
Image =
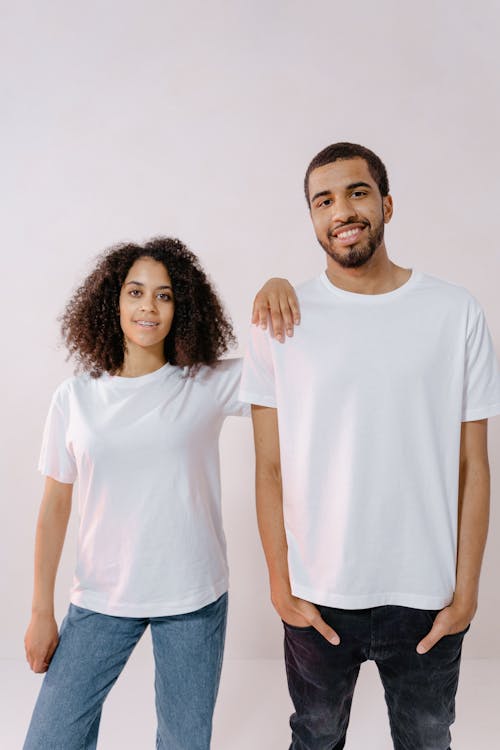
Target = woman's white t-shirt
(145,453)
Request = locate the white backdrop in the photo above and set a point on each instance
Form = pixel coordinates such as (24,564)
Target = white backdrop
(122,120)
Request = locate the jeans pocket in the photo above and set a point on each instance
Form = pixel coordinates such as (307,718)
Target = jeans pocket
(298,628)
(431,615)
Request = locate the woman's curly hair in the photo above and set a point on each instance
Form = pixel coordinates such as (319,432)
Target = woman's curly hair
(90,324)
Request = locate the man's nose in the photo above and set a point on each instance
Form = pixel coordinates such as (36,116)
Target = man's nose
(341,211)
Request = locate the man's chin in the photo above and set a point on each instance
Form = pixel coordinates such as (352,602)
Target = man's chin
(353,258)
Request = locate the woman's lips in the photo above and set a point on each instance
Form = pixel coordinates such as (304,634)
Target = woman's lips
(146,323)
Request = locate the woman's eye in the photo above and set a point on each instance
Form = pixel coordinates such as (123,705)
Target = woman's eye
(165,297)
(135,292)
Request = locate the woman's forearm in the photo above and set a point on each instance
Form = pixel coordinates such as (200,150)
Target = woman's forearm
(50,533)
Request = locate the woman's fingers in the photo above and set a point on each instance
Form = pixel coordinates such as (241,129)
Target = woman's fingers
(278,302)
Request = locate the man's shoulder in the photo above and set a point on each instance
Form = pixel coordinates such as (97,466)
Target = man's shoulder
(445,291)
(309,289)
(425,289)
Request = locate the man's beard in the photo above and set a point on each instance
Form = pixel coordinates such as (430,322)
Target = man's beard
(355,256)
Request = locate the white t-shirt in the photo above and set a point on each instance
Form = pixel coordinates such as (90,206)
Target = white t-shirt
(371,392)
(145,453)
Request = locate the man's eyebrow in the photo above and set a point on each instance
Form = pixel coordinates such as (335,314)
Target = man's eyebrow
(139,283)
(352,186)
(320,195)
(355,185)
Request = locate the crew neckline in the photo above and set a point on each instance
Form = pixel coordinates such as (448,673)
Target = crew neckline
(135,382)
(371,298)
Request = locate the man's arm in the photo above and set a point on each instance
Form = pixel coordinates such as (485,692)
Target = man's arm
(473,517)
(292,610)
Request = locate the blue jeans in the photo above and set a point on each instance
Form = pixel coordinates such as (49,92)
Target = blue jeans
(93,649)
(419,689)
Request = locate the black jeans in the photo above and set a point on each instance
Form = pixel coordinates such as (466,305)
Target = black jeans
(419,689)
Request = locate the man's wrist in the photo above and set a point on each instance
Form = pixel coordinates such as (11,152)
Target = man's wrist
(466,603)
(280,590)
(279,580)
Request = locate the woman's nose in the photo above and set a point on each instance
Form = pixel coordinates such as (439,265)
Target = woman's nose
(148,303)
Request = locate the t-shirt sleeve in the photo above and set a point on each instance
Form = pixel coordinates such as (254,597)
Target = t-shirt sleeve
(228,384)
(481,396)
(257,379)
(56,457)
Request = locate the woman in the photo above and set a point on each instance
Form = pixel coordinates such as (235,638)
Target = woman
(139,430)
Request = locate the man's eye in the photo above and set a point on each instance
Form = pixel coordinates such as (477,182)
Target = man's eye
(327,202)
(358,193)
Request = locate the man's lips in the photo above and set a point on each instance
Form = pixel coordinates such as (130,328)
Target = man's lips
(348,234)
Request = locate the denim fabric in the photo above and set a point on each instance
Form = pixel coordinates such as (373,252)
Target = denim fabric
(419,689)
(92,651)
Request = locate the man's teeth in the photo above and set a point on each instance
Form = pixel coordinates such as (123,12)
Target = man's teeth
(348,233)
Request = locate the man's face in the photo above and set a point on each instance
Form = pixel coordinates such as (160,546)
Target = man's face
(347,211)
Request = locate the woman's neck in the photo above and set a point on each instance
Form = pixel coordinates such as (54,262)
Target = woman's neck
(139,362)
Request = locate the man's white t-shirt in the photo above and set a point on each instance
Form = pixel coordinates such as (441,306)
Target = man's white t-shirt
(145,453)
(371,392)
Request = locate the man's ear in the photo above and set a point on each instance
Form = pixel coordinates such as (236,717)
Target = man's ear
(388,208)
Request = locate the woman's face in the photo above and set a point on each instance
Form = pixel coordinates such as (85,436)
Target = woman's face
(146,304)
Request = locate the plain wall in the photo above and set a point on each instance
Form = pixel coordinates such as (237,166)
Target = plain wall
(122,120)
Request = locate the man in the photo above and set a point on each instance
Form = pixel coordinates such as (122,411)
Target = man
(372,472)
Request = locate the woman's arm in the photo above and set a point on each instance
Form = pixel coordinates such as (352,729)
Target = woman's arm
(42,635)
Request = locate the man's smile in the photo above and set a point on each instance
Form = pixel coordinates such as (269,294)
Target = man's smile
(347,234)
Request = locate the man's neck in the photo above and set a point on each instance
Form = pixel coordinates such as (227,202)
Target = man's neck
(378,276)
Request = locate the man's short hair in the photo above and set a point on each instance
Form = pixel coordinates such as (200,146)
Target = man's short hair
(344,150)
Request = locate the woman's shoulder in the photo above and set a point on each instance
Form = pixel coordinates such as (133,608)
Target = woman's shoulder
(73,386)
(221,370)
(222,381)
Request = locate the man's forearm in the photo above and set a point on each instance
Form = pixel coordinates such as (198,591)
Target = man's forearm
(272,526)
(291,609)
(474,503)
(473,511)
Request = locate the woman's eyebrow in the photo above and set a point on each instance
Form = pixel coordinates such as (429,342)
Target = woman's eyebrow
(139,283)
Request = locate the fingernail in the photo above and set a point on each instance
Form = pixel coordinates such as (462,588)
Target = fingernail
(335,641)
(289,331)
